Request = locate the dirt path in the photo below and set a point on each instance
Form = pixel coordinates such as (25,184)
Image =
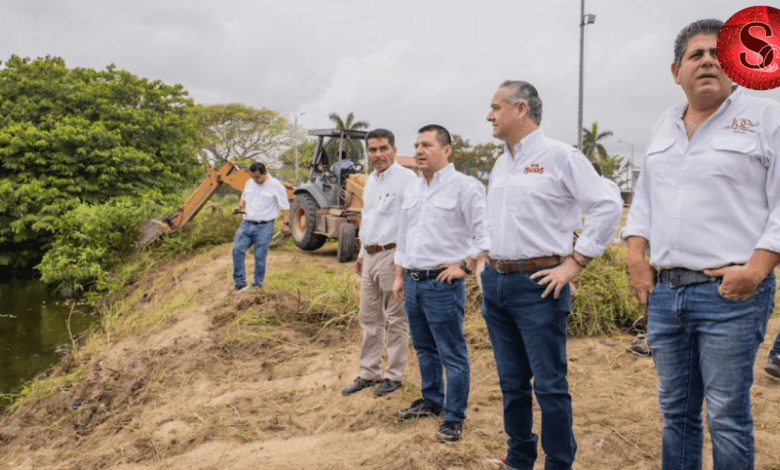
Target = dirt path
(180,396)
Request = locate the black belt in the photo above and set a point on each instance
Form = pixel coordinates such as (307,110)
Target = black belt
(683,277)
(424,274)
(261,222)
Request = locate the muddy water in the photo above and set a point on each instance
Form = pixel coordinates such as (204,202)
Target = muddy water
(32,327)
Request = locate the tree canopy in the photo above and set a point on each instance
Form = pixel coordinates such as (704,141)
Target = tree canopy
(591,141)
(72,136)
(477,159)
(353,148)
(241,133)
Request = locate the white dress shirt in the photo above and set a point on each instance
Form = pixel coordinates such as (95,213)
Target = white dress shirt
(713,200)
(442,223)
(263,201)
(381,203)
(535,202)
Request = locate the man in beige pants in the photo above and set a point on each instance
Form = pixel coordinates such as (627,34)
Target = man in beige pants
(375,264)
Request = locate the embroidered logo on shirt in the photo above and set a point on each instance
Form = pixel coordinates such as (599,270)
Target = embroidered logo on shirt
(741,125)
(534,168)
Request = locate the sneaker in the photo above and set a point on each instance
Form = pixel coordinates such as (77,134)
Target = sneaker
(387,386)
(358,385)
(419,409)
(450,431)
(772,366)
(240,289)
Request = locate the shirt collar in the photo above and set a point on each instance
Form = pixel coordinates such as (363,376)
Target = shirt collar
(387,172)
(527,143)
(442,175)
(736,93)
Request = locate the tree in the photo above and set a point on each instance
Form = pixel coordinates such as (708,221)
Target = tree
(612,168)
(591,141)
(72,136)
(240,133)
(353,148)
(286,162)
(477,159)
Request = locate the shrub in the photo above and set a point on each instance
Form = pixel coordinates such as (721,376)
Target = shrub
(602,300)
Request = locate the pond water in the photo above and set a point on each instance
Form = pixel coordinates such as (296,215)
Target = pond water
(33,324)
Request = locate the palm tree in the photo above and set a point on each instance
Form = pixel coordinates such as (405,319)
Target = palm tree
(591,138)
(354,148)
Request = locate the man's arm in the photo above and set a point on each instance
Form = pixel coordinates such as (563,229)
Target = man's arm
(639,268)
(603,210)
(398,284)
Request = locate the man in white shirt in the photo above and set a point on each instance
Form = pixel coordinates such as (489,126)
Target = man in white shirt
(261,200)
(375,264)
(538,190)
(441,232)
(708,205)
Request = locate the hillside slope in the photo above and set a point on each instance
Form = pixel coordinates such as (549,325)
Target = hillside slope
(207,389)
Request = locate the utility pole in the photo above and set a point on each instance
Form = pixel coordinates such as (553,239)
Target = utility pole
(584,20)
(630,167)
(295,132)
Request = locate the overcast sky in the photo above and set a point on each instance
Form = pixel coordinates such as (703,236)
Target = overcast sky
(398,65)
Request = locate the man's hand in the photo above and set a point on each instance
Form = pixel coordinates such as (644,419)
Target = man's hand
(285,229)
(642,278)
(556,278)
(450,273)
(237,209)
(739,282)
(359,266)
(398,288)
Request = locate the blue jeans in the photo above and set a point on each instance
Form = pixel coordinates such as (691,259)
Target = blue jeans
(528,334)
(435,311)
(704,346)
(776,348)
(247,235)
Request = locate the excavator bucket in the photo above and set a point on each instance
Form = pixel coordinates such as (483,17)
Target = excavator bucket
(152,230)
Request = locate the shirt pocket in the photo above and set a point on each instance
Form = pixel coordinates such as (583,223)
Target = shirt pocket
(386,204)
(527,199)
(732,157)
(659,161)
(445,203)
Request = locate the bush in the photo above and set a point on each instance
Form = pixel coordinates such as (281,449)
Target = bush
(93,238)
(602,300)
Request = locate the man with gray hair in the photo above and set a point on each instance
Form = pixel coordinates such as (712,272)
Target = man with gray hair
(537,192)
(708,205)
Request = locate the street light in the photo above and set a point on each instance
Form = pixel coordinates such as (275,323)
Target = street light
(584,20)
(630,166)
(295,132)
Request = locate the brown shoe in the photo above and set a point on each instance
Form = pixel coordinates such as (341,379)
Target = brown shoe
(358,385)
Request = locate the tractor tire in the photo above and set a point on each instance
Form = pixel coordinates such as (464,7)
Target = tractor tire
(303,222)
(347,250)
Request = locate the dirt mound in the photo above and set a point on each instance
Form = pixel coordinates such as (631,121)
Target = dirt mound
(188,394)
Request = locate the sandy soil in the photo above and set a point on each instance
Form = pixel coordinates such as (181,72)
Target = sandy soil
(180,396)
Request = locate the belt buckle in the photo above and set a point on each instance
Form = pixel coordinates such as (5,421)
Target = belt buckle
(675,277)
(415,275)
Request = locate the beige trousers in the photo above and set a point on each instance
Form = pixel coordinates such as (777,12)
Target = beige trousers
(380,311)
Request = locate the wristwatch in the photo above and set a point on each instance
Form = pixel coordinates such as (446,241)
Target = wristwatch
(464,267)
(287,224)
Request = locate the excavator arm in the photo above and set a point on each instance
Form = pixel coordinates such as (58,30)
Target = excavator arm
(226,174)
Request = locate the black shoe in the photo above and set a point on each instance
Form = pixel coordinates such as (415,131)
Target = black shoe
(419,409)
(242,288)
(358,385)
(772,366)
(387,386)
(451,431)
